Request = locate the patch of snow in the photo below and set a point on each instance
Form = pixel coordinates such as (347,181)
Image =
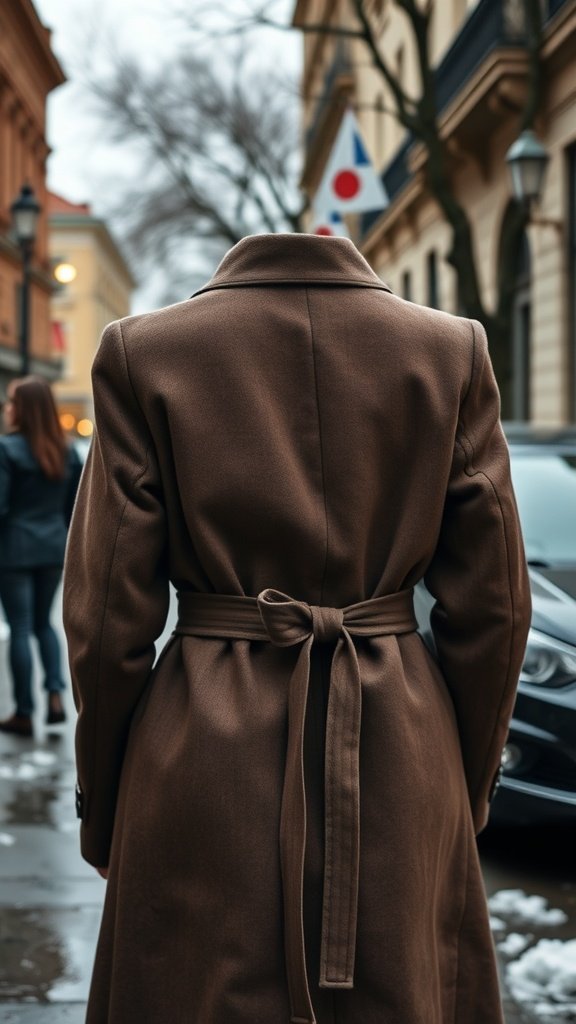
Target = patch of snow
(19,772)
(533,910)
(68,826)
(6,839)
(514,943)
(41,757)
(545,978)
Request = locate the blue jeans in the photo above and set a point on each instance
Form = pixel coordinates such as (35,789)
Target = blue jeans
(27,596)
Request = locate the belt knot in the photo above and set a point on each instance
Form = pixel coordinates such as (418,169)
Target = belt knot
(288,621)
(326,623)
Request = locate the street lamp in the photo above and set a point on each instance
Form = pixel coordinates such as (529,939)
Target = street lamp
(527,160)
(25,212)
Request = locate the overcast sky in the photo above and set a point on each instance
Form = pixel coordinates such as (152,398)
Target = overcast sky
(82,166)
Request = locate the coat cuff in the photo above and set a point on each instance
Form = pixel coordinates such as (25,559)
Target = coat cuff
(94,851)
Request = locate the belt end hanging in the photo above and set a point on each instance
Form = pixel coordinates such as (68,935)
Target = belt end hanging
(328,983)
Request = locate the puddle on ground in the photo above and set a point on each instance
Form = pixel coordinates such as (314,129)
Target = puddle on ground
(37,788)
(46,956)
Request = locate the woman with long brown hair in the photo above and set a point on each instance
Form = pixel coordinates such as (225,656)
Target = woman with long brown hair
(39,474)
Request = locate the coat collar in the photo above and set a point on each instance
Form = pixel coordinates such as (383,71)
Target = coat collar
(293,259)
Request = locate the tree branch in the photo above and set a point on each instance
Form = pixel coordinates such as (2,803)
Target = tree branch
(404,103)
(533,20)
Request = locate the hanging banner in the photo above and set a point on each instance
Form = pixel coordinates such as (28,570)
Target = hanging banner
(350,183)
(329,224)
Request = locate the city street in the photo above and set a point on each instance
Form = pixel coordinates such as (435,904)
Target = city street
(50,899)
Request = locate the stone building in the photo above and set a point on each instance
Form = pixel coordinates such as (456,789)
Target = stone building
(29,71)
(480,61)
(98,288)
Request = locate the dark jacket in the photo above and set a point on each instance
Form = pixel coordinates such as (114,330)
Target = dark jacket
(34,511)
(295,426)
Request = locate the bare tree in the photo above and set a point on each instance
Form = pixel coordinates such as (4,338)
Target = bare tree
(215,156)
(419,115)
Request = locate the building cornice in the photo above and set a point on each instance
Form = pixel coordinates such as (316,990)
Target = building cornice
(392,216)
(560,32)
(300,20)
(41,36)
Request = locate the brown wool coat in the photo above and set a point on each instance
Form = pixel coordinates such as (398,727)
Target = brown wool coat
(288,799)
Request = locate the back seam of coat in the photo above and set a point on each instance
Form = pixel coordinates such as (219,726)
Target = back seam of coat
(325,570)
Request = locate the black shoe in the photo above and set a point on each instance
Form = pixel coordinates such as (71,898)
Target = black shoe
(19,725)
(56,713)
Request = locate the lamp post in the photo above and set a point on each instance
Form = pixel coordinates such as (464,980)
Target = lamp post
(527,160)
(25,212)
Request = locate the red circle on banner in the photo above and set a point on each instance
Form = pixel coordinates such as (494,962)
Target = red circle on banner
(346,184)
(322,231)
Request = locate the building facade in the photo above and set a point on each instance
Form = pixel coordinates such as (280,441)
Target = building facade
(98,288)
(481,74)
(29,71)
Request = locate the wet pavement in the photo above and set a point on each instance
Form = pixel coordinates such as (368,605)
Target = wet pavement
(50,899)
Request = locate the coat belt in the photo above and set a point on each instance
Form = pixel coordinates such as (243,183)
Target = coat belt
(284,621)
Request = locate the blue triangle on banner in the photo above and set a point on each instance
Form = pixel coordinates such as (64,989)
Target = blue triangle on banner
(360,154)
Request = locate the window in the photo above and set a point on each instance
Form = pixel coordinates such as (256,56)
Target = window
(407,285)
(432,278)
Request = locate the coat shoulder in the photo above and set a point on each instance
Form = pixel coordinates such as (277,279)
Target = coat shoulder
(444,341)
(154,324)
(435,324)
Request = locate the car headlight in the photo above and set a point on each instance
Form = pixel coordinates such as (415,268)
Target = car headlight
(548,662)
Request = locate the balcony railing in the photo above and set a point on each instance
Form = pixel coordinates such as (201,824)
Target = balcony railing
(489,26)
(554,6)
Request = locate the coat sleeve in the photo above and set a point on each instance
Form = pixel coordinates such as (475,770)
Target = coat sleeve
(479,579)
(116,591)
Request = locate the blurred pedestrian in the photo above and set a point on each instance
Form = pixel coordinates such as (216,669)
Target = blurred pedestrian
(285,802)
(39,474)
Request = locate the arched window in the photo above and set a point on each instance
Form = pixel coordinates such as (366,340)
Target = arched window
(515,275)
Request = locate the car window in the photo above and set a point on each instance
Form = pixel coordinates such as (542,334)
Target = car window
(545,486)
